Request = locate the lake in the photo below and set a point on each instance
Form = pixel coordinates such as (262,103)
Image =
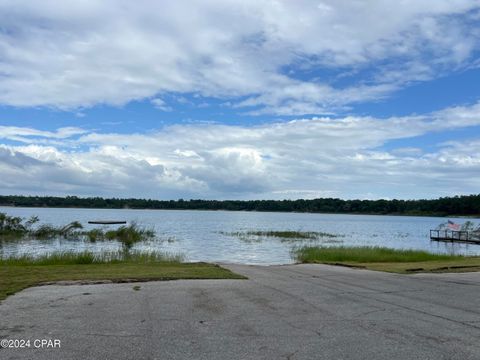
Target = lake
(206,235)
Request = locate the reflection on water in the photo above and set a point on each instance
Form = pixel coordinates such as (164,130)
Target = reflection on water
(204,235)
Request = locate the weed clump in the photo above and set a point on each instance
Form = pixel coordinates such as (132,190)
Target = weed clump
(127,235)
(14,225)
(284,236)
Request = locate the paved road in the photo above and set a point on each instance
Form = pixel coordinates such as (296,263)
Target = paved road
(281,312)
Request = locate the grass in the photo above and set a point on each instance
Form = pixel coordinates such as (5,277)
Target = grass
(17,227)
(95,235)
(366,254)
(127,235)
(48,231)
(385,259)
(12,228)
(19,273)
(87,257)
(286,235)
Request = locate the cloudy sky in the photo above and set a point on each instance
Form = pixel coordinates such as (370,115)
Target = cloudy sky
(245,99)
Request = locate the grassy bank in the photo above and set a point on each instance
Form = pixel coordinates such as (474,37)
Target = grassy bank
(19,273)
(385,259)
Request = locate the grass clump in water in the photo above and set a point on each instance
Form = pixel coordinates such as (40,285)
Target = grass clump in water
(367,254)
(288,234)
(48,231)
(95,235)
(12,227)
(17,227)
(127,235)
(131,234)
(284,235)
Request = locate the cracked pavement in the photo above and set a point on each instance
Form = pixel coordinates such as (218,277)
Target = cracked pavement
(280,312)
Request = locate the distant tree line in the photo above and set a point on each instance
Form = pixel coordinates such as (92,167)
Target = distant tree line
(446,206)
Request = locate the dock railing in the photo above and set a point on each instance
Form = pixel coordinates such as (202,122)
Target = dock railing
(453,235)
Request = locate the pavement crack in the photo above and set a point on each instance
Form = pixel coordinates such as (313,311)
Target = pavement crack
(114,335)
(370,312)
(291,355)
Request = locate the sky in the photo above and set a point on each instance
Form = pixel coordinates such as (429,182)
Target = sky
(245,99)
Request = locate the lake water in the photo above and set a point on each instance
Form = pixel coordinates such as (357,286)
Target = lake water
(202,235)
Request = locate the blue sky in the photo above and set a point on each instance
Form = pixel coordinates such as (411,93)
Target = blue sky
(240,99)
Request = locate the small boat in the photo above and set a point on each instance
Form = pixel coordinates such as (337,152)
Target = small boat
(107,222)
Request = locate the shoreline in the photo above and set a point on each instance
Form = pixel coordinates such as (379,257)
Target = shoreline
(17,277)
(246,211)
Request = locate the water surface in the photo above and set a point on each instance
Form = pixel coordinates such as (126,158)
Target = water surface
(201,235)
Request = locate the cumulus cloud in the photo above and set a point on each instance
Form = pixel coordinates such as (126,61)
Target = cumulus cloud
(252,52)
(160,104)
(302,158)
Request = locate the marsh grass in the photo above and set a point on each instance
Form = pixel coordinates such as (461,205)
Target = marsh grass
(14,228)
(131,234)
(17,227)
(367,254)
(95,235)
(48,231)
(322,240)
(87,257)
(284,236)
(127,235)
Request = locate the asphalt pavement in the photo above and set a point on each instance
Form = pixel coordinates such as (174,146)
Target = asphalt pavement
(280,312)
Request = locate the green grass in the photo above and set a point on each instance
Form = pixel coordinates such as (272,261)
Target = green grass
(385,259)
(19,273)
(466,264)
(15,228)
(131,234)
(87,257)
(95,235)
(48,231)
(127,235)
(365,254)
(283,235)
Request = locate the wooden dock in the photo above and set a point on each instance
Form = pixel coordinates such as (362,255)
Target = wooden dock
(455,236)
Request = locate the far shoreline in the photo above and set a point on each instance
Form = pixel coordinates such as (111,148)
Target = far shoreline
(453,206)
(247,211)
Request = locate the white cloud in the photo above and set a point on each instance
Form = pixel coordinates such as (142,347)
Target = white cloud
(160,104)
(75,55)
(302,158)
(29,135)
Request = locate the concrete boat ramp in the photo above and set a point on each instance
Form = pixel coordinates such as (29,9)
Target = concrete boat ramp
(281,312)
